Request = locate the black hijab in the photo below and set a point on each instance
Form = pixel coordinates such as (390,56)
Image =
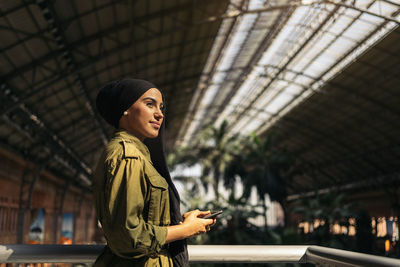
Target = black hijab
(112,100)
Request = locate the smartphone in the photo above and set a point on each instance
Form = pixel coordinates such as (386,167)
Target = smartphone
(212,215)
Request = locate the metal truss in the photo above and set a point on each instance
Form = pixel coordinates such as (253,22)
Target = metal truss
(56,146)
(66,55)
(193,109)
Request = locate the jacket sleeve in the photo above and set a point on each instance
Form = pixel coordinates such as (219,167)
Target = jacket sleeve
(128,234)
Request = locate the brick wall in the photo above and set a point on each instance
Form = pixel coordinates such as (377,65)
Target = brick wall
(45,195)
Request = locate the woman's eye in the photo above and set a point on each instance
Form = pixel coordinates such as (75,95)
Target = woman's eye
(149,104)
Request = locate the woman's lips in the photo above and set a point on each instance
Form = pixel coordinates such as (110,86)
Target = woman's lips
(156,124)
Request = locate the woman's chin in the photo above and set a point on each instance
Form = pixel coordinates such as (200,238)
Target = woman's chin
(152,135)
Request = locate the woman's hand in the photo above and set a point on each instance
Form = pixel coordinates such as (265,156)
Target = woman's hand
(195,224)
(192,225)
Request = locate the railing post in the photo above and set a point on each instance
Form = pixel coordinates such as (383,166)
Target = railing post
(59,204)
(25,199)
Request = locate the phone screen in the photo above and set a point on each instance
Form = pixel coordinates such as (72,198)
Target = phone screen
(212,215)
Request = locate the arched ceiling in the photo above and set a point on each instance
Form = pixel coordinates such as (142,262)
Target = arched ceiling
(323,74)
(347,134)
(56,55)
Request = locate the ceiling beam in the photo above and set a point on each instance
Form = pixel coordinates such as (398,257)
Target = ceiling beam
(265,43)
(288,61)
(103,34)
(57,33)
(362,10)
(200,91)
(58,76)
(56,146)
(319,81)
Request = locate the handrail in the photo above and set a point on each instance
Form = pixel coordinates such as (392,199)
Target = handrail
(248,253)
(338,257)
(320,256)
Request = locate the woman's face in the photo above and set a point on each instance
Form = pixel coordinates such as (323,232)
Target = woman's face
(144,117)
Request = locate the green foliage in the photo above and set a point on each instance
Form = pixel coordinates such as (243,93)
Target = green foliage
(262,165)
(234,226)
(213,152)
(330,209)
(258,162)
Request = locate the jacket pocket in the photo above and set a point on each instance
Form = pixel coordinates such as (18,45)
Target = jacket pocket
(158,199)
(158,182)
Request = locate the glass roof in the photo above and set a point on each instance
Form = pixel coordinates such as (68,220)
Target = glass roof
(275,54)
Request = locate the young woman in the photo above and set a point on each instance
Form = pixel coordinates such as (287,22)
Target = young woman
(136,201)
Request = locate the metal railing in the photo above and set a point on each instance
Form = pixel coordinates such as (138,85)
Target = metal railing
(320,256)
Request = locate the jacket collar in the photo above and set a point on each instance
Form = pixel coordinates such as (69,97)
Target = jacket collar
(130,138)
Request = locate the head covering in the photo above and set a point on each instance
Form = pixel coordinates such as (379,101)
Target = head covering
(112,100)
(117,96)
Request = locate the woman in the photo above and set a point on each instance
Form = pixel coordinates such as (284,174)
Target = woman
(136,201)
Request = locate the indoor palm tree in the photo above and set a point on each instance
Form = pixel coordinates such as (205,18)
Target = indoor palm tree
(213,152)
(263,166)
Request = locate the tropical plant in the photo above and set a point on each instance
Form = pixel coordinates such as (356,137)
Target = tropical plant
(234,225)
(260,164)
(329,209)
(213,152)
(237,226)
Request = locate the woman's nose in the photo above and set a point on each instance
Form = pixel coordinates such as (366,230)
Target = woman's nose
(159,115)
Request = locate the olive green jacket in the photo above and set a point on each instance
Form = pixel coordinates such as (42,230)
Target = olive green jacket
(132,204)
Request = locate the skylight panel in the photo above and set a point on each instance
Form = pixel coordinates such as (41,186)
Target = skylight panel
(265,98)
(280,84)
(278,102)
(341,23)
(229,55)
(249,88)
(253,124)
(316,68)
(362,28)
(383,8)
(251,85)
(237,41)
(218,77)
(293,89)
(341,46)
(359,50)
(239,126)
(280,43)
(254,4)
(270,99)
(229,109)
(289,75)
(326,59)
(325,40)
(222,32)
(271,53)
(209,95)
(373,21)
(305,63)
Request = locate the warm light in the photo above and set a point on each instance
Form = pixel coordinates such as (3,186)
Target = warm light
(305,226)
(373,224)
(381,227)
(336,229)
(352,230)
(387,245)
